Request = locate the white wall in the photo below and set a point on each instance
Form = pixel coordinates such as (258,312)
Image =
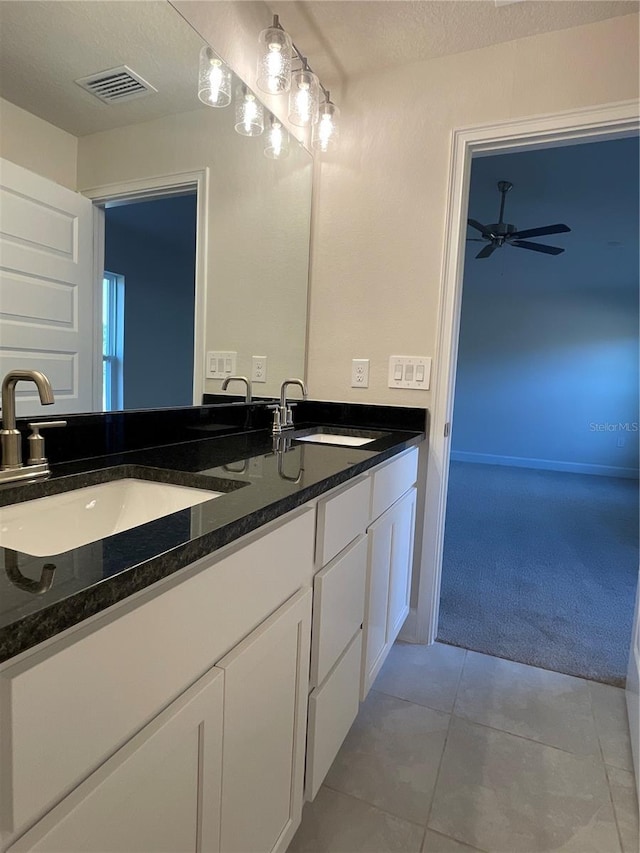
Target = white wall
(380,204)
(37,145)
(259,220)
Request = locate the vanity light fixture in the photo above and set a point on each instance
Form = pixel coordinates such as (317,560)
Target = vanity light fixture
(277,143)
(249,112)
(326,131)
(214,80)
(304,87)
(274,59)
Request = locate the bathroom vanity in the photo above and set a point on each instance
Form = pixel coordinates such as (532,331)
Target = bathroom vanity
(189,683)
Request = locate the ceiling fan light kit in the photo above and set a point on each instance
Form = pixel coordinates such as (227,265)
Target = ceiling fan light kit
(501,233)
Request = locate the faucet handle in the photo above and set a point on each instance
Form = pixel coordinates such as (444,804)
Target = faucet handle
(36,441)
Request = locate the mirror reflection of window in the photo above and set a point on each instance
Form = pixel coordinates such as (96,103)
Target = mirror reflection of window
(112,341)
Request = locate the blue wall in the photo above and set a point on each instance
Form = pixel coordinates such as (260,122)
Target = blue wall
(152,244)
(548,357)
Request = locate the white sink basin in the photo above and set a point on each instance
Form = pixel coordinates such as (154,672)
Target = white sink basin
(57,523)
(331,438)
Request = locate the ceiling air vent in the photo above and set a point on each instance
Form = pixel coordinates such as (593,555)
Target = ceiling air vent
(116,85)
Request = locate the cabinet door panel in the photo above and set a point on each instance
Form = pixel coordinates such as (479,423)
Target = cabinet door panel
(401,560)
(160,793)
(266,684)
(377,601)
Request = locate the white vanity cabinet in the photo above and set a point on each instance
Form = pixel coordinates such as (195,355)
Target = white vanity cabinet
(197,714)
(390,555)
(186,706)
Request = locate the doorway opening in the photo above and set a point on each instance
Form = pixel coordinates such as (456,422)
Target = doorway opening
(540,547)
(156,228)
(148,337)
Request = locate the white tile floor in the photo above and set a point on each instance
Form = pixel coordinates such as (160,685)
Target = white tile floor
(455,752)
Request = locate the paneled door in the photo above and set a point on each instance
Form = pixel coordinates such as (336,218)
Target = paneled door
(46,289)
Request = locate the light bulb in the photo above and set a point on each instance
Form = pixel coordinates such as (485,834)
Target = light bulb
(277,145)
(324,136)
(214,80)
(303,98)
(274,61)
(249,113)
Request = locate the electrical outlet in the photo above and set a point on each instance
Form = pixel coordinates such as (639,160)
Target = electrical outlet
(360,373)
(259,368)
(220,364)
(409,371)
(620,441)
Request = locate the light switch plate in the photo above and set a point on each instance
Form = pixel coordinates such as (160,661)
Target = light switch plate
(221,364)
(259,368)
(360,373)
(409,371)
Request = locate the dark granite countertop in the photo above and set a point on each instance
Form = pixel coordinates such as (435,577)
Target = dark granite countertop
(260,484)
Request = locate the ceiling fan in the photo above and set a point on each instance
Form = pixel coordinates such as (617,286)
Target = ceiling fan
(499,233)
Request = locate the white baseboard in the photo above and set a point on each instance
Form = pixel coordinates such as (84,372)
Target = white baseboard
(544,464)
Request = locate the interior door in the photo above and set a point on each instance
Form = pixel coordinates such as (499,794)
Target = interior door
(46,289)
(633,688)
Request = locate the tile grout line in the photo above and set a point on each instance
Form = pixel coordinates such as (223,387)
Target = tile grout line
(402,699)
(596,755)
(371,805)
(451,838)
(444,747)
(606,774)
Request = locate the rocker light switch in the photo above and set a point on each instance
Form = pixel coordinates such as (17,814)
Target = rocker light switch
(409,371)
(220,364)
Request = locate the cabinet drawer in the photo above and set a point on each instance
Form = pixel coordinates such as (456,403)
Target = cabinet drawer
(392,480)
(338,607)
(65,701)
(332,709)
(341,518)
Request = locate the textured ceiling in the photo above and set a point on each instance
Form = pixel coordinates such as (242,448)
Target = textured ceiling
(46,46)
(349,37)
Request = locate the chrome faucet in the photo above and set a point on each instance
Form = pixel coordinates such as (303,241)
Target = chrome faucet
(283,413)
(12,468)
(228,379)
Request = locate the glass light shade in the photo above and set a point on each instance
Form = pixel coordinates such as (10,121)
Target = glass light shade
(274,61)
(214,80)
(326,131)
(303,98)
(249,113)
(277,142)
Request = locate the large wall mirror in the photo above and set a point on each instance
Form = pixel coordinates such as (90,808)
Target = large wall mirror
(147,247)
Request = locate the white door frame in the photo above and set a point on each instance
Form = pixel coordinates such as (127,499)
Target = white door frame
(585,125)
(150,188)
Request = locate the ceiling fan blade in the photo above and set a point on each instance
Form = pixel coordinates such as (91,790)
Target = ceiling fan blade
(487,251)
(542,232)
(475,240)
(536,247)
(477,225)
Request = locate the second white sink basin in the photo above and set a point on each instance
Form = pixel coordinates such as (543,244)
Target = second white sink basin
(331,438)
(58,523)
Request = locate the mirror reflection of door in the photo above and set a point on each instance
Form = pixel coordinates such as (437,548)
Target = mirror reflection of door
(149,303)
